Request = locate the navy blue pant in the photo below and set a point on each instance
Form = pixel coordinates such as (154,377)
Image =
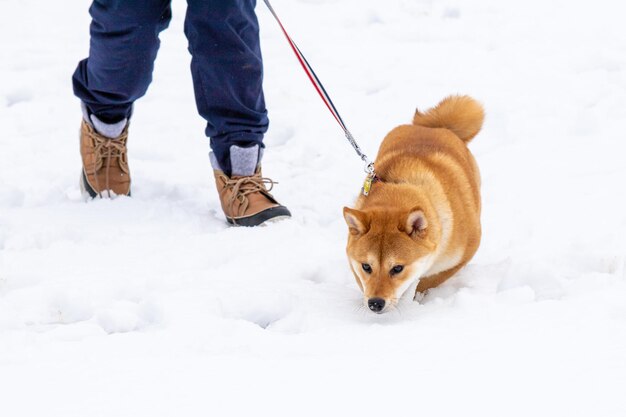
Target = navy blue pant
(226,65)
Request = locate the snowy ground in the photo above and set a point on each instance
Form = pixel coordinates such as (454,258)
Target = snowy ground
(151,306)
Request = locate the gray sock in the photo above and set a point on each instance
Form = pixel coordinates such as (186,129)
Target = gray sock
(243,161)
(111,131)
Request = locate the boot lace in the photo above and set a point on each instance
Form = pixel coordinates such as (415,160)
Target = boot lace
(241,187)
(106,150)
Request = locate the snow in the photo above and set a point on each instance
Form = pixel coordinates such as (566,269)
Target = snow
(152,306)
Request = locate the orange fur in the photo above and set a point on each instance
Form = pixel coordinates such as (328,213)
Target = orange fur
(460,114)
(424,214)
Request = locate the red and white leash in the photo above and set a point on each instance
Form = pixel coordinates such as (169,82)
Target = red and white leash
(369,165)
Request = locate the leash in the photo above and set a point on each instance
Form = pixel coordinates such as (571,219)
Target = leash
(369,165)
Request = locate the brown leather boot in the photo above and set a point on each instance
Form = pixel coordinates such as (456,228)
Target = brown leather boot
(246,201)
(105,163)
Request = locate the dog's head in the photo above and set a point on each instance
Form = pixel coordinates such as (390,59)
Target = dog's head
(389,250)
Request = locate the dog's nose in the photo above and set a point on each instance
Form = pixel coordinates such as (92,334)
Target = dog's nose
(376,304)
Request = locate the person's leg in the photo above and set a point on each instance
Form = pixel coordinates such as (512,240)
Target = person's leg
(227,71)
(123,47)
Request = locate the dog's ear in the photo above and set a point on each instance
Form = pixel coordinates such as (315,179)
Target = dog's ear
(416,223)
(358,221)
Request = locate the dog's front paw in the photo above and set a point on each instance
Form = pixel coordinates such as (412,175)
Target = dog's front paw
(419,296)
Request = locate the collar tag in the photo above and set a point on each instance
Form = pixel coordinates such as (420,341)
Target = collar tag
(367,184)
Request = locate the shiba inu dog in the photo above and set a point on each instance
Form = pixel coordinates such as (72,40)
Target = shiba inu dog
(421,220)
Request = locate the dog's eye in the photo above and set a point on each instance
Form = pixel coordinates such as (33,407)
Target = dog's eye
(396,269)
(367,268)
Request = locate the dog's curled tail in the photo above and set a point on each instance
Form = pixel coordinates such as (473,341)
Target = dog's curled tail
(461,114)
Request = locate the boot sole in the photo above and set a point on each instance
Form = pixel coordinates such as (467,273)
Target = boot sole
(88,192)
(85,188)
(271,215)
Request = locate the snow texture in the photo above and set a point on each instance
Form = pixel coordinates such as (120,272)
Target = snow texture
(152,306)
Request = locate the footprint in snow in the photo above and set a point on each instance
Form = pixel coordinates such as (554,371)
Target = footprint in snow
(264,312)
(68,307)
(18,96)
(451,13)
(10,196)
(127,316)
